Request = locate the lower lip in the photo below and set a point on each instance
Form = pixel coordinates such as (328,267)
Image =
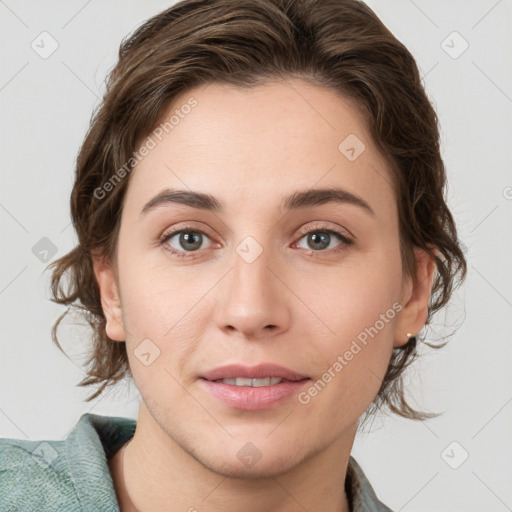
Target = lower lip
(253,398)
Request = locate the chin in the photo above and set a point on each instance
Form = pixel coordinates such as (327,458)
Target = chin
(254,460)
(260,470)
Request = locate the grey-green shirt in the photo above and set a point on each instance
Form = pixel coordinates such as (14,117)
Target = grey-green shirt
(73,474)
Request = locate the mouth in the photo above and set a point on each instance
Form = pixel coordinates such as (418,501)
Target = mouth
(253,383)
(243,375)
(252,388)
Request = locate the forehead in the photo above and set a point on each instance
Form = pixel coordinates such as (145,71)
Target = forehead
(245,145)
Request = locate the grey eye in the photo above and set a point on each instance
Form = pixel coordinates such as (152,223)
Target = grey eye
(187,240)
(318,240)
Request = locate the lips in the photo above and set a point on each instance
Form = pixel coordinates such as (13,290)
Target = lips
(261,371)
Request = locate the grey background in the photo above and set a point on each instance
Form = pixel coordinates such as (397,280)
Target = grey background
(46,107)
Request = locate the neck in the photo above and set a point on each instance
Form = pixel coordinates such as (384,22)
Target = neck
(148,476)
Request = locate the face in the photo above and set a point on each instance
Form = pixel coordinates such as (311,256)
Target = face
(314,286)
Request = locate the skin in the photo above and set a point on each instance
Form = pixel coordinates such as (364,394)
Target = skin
(250,148)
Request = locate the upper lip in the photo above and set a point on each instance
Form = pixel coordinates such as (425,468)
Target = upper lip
(260,371)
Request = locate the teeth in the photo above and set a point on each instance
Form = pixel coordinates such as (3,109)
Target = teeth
(255,383)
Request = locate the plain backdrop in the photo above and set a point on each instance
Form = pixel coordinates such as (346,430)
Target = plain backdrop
(459,461)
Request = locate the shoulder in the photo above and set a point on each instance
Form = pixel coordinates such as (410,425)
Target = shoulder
(34,476)
(70,474)
(360,493)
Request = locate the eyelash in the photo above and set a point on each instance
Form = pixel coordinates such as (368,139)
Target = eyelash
(321,229)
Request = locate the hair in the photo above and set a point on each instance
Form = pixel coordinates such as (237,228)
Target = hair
(338,44)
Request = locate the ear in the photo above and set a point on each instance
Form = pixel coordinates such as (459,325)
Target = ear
(415,298)
(110,301)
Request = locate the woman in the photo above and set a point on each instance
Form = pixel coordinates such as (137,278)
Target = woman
(262,235)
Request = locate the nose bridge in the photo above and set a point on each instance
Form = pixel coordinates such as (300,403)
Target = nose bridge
(251,279)
(252,297)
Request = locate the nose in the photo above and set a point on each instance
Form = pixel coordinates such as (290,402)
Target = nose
(253,299)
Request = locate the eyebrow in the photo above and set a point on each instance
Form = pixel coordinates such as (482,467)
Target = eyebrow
(296,201)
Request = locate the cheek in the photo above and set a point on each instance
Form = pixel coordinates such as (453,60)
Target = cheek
(358,300)
(163,316)
(350,337)
(351,367)
(156,297)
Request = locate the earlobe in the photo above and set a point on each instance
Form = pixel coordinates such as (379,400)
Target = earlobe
(110,301)
(416,297)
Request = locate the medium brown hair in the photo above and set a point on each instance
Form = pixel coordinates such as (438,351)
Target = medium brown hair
(338,44)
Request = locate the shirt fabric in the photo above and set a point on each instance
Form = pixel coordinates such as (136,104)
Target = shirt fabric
(72,475)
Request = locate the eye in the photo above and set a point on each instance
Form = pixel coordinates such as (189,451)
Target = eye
(183,241)
(188,240)
(320,238)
